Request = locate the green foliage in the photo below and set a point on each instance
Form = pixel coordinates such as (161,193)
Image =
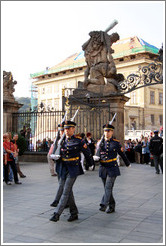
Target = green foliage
(26,101)
(21,143)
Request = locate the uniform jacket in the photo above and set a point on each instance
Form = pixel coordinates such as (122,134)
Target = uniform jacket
(108,158)
(70,155)
(155,145)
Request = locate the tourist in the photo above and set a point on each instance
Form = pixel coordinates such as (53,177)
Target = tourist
(10,149)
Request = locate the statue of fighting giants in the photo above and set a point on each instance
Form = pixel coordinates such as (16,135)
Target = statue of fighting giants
(99,59)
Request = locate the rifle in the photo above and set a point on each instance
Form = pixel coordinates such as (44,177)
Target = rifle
(58,135)
(57,152)
(99,147)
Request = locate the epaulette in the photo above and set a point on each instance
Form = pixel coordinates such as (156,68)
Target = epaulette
(116,140)
(78,137)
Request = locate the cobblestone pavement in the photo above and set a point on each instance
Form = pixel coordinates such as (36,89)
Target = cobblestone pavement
(138,217)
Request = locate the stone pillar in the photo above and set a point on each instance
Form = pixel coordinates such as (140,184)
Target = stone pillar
(117,106)
(8,109)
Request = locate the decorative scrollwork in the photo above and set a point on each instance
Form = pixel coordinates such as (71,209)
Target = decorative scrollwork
(147,75)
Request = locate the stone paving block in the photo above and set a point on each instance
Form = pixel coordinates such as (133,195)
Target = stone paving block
(24,239)
(141,239)
(145,234)
(32,222)
(138,194)
(7,236)
(149,227)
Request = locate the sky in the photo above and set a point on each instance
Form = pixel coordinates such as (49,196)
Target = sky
(40,34)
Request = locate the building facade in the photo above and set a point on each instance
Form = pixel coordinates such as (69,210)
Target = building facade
(143,111)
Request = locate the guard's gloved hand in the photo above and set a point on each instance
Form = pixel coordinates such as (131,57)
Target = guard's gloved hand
(96,158)
(55,157)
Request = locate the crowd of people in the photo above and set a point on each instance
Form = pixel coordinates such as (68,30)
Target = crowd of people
(137,151)
(145,150)
(11,167)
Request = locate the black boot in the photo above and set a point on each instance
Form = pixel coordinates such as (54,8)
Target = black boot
(54,204)
(102,208)
(110,210)
(55,217)
(73,217)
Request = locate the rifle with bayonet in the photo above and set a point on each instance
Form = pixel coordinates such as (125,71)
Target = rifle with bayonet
(58,135)
(96,157)
(57,152)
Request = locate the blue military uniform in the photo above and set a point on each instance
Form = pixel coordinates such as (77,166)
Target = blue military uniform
(109,169)
(70,155)
(108,158)
(71,168)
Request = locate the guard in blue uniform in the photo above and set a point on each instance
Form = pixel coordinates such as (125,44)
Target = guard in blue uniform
(72,168)
(109,169)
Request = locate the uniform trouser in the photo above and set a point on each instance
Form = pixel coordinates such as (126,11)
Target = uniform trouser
(60,189)
(67,197)
(158,161)
(108,198)
(14,169)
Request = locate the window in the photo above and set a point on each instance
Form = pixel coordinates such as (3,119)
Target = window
(133,98)
(152,119)
(161,120)
(43,91)
(152,99)
(160,98)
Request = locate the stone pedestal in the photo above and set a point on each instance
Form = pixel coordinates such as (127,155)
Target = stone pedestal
(107,106)
(9,107)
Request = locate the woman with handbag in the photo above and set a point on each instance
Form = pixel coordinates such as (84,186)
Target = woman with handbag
(10,149)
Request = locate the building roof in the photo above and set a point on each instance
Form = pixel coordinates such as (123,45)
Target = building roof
(123,47)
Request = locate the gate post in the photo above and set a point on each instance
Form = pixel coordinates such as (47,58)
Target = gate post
(117,106)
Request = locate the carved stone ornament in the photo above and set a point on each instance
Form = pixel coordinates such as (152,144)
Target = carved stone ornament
(8,86)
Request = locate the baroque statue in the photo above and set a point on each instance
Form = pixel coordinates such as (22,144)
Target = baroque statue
(101,71)
(8,86)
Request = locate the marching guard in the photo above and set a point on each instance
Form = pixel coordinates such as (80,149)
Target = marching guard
(109,169)
(70,157)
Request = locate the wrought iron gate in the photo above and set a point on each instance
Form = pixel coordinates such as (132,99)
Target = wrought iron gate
(44,124)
